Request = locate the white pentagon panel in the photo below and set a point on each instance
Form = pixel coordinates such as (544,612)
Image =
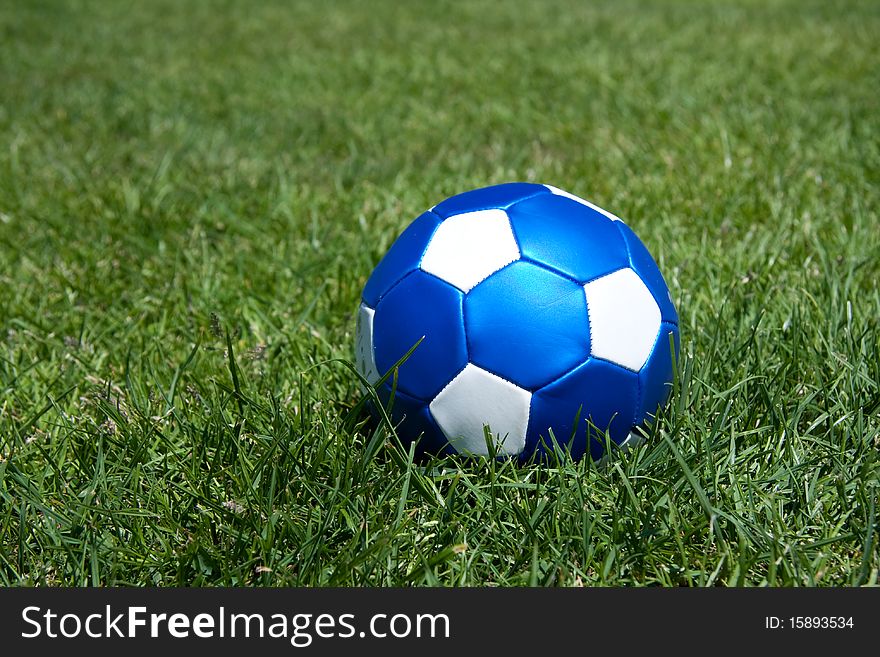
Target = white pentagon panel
(477,398)
(364,357)
(624,319)
(562,192)
(466,248)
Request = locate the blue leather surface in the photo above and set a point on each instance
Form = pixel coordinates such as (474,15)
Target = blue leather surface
(487,198)
(402,258)
(608,394)
(656,375)
(644,265)
(568,236)
(420,305)
(413,419)
(527,325)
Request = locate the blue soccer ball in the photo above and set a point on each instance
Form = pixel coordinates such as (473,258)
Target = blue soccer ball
(538,317)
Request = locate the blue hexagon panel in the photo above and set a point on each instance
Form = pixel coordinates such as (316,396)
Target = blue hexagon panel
(647,269)
(402,258)
(413,420)
(488,198)
(609,391)
(527,324)
(568,236)
(655,378)
(420,306)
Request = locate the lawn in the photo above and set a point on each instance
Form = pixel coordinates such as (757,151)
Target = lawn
(192,196)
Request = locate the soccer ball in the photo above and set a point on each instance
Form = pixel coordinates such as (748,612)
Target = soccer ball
(527,318)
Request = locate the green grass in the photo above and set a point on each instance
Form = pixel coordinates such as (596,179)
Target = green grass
(175,173)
